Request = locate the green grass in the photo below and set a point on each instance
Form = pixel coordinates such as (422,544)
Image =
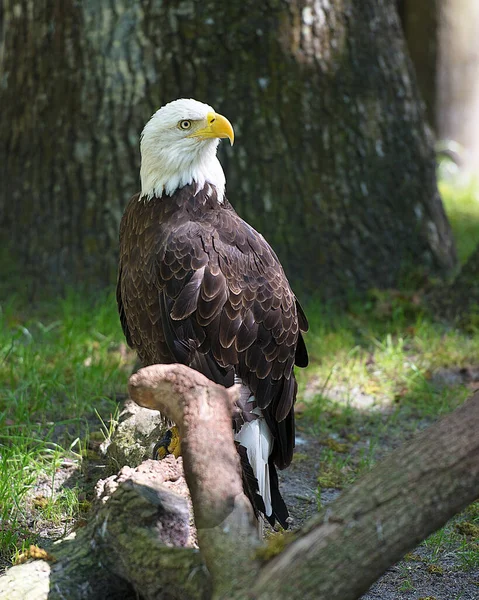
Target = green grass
(58,366)
(460,537)
(388,358)
(379,372)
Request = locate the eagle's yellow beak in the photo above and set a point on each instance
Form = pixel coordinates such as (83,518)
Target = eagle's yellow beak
(218,127)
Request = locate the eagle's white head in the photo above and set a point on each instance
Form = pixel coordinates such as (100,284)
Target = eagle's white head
(178,147)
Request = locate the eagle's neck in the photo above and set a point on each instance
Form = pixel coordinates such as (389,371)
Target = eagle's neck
(165,172)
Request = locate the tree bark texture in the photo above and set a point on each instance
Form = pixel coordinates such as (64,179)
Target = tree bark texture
(141,531)
(421,28)
(332,163)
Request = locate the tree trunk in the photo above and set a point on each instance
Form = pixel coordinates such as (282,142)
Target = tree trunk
(420,24)
(72,106)
(459,300)
(333,162)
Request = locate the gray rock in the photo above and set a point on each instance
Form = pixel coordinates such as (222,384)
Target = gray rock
(138,430)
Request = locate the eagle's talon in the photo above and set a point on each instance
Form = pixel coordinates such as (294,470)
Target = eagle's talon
(170,443)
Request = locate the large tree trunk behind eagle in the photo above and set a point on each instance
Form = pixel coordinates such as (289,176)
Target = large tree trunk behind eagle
(332,161)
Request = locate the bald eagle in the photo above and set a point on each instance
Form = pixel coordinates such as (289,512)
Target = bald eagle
(199,286)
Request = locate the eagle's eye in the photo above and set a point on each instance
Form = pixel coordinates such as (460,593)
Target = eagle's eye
(185,124)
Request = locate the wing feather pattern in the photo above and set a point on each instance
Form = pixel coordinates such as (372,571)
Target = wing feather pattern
(199,286)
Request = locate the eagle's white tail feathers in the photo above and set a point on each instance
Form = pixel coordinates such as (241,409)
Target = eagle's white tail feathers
(256,437)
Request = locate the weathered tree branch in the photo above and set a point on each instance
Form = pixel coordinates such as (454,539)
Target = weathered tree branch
(337,556)
(203,411)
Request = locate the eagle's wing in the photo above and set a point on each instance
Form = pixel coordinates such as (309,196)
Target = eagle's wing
(225,303)
(121,311)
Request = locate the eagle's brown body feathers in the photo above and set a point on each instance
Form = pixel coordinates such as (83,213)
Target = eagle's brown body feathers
(199,286)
